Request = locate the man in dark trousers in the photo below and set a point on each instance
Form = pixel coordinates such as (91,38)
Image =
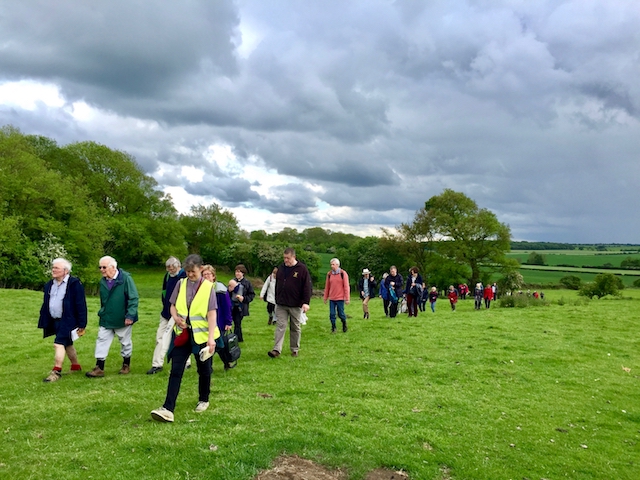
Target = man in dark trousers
(293,294)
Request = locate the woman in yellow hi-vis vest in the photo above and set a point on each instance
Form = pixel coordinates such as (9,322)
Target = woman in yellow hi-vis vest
(193,307)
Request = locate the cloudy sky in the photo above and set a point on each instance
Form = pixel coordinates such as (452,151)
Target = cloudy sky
(348,114)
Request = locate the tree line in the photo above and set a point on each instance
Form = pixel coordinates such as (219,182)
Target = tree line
(85,200)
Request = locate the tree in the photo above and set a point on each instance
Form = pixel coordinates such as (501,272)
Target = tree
(535,258)
(468,235)
(209,230)
(36,203)
(571,282)
(603,284)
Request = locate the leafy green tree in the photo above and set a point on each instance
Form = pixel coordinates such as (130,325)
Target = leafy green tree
(209,230)
(604,284)
(36,202)
(535,258)
(469,235)
(571,282)
(630,262)
(636,283)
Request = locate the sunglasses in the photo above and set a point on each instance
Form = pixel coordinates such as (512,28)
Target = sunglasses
(102,268)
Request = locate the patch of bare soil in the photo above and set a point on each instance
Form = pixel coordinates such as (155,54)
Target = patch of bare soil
(296,468)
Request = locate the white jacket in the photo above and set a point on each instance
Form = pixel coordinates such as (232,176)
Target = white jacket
(269,288)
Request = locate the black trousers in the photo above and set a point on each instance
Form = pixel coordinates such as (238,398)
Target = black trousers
(179,356)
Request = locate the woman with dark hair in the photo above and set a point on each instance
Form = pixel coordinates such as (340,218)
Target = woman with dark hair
(413,291)
(394,282)
(194,308)
(225,319)
(268,294)
(245,299)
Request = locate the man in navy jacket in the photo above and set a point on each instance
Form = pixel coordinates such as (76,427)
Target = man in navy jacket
(64,310)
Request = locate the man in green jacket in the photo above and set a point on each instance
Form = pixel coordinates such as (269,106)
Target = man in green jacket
(118,312)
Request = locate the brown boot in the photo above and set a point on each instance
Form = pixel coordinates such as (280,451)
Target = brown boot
(124,370)
(95,373)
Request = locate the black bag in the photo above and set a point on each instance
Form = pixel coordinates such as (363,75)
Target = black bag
(230,352)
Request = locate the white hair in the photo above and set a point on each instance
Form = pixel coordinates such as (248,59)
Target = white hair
(172,262)
(66,264)
(111,260)
(335,260)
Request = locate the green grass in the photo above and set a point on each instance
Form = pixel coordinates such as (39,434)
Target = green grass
(503,393)
(577,259)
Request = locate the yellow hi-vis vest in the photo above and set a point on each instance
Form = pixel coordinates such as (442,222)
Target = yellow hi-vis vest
(197,313)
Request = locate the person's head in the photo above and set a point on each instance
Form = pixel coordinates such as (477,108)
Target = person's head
(232,285)
(289,257)
(193,267)
(173,266)
(413,271)
(366,273)
(385,275)
(274,271)
(393,270)
(60,267)
(433,289)
(335,264)
(209,273)
(240,271)
(451,288)
(108,266)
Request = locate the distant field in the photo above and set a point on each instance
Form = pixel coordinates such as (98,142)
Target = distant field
(555,257)
(553,271)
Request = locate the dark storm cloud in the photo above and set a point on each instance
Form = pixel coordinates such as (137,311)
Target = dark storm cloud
(116,50)
(530,108)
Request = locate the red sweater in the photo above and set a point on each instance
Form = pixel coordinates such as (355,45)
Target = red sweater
(337,286)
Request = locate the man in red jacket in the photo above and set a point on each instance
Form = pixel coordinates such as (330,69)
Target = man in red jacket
(337,291)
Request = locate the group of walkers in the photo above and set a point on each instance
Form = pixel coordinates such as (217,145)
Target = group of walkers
(197,312)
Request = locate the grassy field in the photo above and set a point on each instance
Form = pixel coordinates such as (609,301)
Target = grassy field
(495,394)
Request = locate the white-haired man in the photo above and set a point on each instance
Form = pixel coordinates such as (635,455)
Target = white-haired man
(64,310)
(118,312)
(171,279)
(338,292)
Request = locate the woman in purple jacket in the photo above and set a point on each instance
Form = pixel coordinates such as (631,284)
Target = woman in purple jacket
(224,319)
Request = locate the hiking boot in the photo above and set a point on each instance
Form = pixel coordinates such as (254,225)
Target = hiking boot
(274,354)
(54,376)
(201,407)
(162,415)
(125,369)
(153,370)
(333,329)
(294,354)
(344,326)
(95,373)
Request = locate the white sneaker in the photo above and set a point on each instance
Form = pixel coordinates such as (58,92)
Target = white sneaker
(202,406)
(162,415)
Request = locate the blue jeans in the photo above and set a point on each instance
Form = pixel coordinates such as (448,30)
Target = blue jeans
(332,311)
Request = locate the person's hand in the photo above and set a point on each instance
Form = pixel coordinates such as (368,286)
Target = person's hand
(240,298)
(80,332)
(228,327)
(325,302)
(305,307)
(211,343)
(347,302)
(128,322)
